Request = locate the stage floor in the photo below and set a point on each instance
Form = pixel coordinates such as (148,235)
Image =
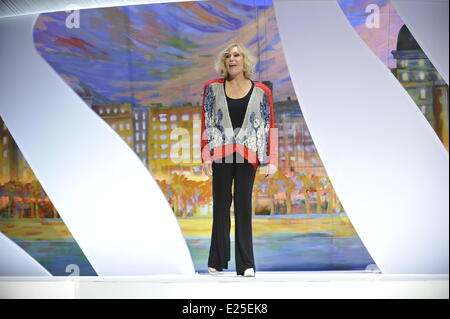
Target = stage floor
(266,285)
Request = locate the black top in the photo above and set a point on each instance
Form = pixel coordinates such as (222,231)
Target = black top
(238,107)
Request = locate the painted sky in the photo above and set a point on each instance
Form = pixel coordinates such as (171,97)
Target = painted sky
(164,53)
(381,40)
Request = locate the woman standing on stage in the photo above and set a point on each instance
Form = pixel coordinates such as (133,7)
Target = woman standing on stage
(238,137)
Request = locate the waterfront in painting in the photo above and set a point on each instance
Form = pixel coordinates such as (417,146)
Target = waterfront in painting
(297,243)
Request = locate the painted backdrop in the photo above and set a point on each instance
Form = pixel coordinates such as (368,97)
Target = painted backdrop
(142,70)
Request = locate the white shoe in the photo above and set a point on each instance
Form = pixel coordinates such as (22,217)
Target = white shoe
(250,272)
(213,271)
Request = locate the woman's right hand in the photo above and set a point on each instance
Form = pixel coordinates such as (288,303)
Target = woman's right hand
(207,168)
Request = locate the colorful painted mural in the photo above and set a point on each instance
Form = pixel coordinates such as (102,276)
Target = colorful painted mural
(142,69)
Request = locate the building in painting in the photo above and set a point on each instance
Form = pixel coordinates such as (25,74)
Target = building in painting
(174,140)
(13,165)
(130,122)
(119,117)
(423,83)
(140,125)
(296,150)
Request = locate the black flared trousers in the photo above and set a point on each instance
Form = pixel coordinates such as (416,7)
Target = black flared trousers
(223,174)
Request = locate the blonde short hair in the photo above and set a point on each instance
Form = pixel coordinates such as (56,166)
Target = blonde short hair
(249,60)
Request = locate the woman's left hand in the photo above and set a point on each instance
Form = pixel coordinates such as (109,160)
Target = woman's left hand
(269,170)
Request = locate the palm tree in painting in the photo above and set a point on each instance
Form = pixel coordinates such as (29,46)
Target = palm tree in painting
(47,206)
(162,185)
(178,183)
(27,197)
(191,193)
(166,189)
(318,187)
(37,193)
(3,198)
(280,181)
(7,189)
(263,190)
(31,193)
(305,188)
(273,188)
(54,211)
(297,184)
(259,188)
(11,189)
(256,192)
(19,198)
(289,191)
(330,195)
(205,195)
(289,188)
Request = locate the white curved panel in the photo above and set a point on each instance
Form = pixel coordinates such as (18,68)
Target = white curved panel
(24,7)
(387,165)
(14,261)
(428,23)
(107,198)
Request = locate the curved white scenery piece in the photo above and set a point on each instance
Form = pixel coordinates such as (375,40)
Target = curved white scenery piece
(428,23)
(107,198)
(14,261)
(386,163)
(15,8)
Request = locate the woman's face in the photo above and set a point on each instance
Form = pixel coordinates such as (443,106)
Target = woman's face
(234,62)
